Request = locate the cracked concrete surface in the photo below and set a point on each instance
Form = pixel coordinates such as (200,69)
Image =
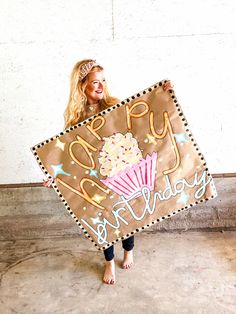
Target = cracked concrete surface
(193,272)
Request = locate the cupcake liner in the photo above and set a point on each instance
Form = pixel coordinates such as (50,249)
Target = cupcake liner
(131,180)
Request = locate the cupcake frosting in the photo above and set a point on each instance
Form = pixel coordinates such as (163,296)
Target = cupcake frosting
(118,152)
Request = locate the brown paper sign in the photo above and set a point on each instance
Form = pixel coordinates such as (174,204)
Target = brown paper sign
(128,167)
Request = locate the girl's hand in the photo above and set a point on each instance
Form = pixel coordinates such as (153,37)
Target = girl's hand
(167,86)
(47,183)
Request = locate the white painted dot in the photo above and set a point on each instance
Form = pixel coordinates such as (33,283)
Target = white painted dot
(74,177)
(146,140)
(92,184)
(72,162)
(112,196)
(99,214)
(87,172)
(84,208)
(181,144)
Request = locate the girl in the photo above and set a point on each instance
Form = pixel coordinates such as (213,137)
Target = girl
(88,96)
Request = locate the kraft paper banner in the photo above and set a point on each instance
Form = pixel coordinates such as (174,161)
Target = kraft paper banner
(128,167)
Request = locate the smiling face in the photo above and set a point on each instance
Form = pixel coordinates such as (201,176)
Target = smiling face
(95,87)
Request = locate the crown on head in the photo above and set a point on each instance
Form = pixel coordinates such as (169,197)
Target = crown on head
(86,68)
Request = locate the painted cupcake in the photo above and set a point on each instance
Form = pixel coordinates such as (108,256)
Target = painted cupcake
(122,163)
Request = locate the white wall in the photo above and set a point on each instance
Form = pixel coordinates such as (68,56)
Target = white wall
(193,43)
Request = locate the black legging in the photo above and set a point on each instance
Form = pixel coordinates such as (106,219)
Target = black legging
(127,245)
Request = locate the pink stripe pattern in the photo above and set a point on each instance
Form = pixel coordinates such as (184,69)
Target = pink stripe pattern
(131,180)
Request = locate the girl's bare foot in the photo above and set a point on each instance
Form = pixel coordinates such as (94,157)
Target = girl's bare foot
(128,260)
(109,274)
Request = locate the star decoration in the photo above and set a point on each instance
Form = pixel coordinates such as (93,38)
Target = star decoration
(93,173)
(181,137)
(60,144)
(58,170)
(150,139)
(183,198)
(117,232)
(98,198)
(96,220)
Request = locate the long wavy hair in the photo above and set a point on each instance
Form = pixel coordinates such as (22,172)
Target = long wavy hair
(76,108)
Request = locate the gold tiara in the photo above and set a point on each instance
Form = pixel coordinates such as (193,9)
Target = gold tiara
(86,68)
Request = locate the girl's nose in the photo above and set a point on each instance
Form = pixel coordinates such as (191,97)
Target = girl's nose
(101,84)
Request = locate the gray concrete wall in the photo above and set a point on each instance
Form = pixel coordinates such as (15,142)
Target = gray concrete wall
(37,212)
(139,43)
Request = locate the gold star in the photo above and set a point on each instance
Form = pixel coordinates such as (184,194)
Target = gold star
(60,145)
(98,198)
(151,139)
(117,232)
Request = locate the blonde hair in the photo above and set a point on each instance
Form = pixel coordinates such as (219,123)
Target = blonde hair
(75,111)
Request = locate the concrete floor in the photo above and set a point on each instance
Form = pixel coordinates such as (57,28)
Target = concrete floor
(192,272)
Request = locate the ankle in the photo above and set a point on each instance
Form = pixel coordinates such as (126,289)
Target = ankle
(110,262)
(128,252)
